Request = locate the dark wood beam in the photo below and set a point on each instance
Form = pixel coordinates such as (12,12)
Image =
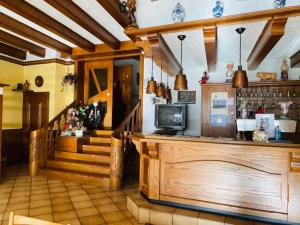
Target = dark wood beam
(295,60)
(12,51)
(75,13)
(271,34)
(30,33)
(210,43)
(22,44)
(113,8)
(35,15)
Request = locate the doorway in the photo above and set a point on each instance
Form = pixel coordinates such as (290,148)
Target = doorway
(35,116)
(125,88)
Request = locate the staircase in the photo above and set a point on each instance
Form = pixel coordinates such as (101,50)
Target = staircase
(91,166)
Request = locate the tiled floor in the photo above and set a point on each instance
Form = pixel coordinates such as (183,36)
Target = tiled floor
(62,202)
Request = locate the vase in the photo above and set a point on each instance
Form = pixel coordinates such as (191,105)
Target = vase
(218,9)
(78,133)
(279,3)
(178,13)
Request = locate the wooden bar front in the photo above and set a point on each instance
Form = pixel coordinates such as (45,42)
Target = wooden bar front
(253,179)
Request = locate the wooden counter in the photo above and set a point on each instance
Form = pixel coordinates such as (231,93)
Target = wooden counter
(255,179)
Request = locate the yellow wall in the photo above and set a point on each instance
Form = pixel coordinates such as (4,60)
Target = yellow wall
(52,73)
(11,74)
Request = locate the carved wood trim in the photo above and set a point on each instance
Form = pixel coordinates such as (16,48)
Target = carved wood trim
(153,150)
(210,43)
(271,34)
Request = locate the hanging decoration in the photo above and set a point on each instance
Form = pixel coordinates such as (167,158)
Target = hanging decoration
(178,13)
(279,3)
(218,10)
(151,85)
(180,80)
(240,79)
(161,91)
(69,79)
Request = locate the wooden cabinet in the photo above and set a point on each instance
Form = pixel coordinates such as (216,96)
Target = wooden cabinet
(218,110)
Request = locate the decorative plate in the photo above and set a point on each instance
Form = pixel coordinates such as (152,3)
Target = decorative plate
(178,13)
(279,3)
(39,81)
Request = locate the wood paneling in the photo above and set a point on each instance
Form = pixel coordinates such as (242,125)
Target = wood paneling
(271,34)
(28,32)
(12,141)
(113,8)
(295,60)
(22,44)
(71,144)
(208,129)
(294,195)
(74,12)
(210,43)
(221,21)
(12,51)
(37,16)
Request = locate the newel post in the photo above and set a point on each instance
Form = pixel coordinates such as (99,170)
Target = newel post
(116,165)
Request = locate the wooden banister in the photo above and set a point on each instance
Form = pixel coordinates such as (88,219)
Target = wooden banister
(120,141)
(64,112)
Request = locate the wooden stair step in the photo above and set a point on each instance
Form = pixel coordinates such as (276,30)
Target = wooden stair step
(83,178)
(100,140)
(96,149)
(82,157)
(91,168)
(101,132)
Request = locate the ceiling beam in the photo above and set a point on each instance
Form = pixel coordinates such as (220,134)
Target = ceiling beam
(30,33)
(295,60)
(113,8)
(22,44)
(271,34)
(210,44)
(221,21)
(8,59)
(35,15)
(12,51)
(75,13)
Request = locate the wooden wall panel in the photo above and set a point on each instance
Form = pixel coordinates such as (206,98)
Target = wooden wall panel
(13,150)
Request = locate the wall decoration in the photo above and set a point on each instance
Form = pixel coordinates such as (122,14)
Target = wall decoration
(279,3)
(219,109)
(26,85)
(218,10)
(178,13)
(39,81)
(129,8)
(187,97)
(266,76)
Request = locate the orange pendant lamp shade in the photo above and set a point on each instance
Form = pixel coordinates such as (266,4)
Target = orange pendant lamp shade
(151,85)
(240,79)
(180,80)
(161,91)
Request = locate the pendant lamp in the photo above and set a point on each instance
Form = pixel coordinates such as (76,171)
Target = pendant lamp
(151,85)
(168,95)
(240,79)
(181,81)
(161,91)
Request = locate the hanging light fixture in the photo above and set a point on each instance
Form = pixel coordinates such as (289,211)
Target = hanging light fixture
(151,85)
(168,95)
(161,91)
(181,81)
(240,79)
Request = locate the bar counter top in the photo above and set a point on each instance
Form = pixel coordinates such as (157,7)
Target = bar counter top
(181,138)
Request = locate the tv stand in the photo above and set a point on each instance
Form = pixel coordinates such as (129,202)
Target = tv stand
(169,132)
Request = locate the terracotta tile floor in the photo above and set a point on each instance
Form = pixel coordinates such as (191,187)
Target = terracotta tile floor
(61,201)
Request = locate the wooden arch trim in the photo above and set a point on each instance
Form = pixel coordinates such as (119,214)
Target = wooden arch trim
(271,34)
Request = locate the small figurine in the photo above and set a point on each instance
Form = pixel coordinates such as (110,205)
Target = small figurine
(284,70)
(204,78)
(285,109)
(229,72)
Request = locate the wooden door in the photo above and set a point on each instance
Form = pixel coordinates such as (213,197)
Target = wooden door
(124,77)
(218,110)
(35,115)
(98,87)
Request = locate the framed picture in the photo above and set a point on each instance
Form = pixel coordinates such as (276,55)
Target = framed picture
(188,97)
(266,122)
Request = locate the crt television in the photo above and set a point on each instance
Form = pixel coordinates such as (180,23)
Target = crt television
(169,116)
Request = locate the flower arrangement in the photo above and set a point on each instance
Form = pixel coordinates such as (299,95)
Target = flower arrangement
(69,79)
(74,124)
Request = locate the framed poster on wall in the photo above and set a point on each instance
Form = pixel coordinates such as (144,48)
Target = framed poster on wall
(187,97)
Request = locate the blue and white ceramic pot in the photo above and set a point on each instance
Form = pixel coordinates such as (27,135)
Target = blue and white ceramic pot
(218,9)
(279,3)
(178,13)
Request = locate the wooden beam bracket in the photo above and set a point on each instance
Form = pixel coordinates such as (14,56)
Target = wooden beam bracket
(210,43)
(295,60)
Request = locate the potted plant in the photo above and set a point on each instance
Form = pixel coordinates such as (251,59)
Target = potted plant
(69,79)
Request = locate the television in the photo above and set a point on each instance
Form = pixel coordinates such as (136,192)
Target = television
(169,116)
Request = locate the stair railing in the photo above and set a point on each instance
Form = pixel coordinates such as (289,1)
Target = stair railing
(120,141)
(42,141)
